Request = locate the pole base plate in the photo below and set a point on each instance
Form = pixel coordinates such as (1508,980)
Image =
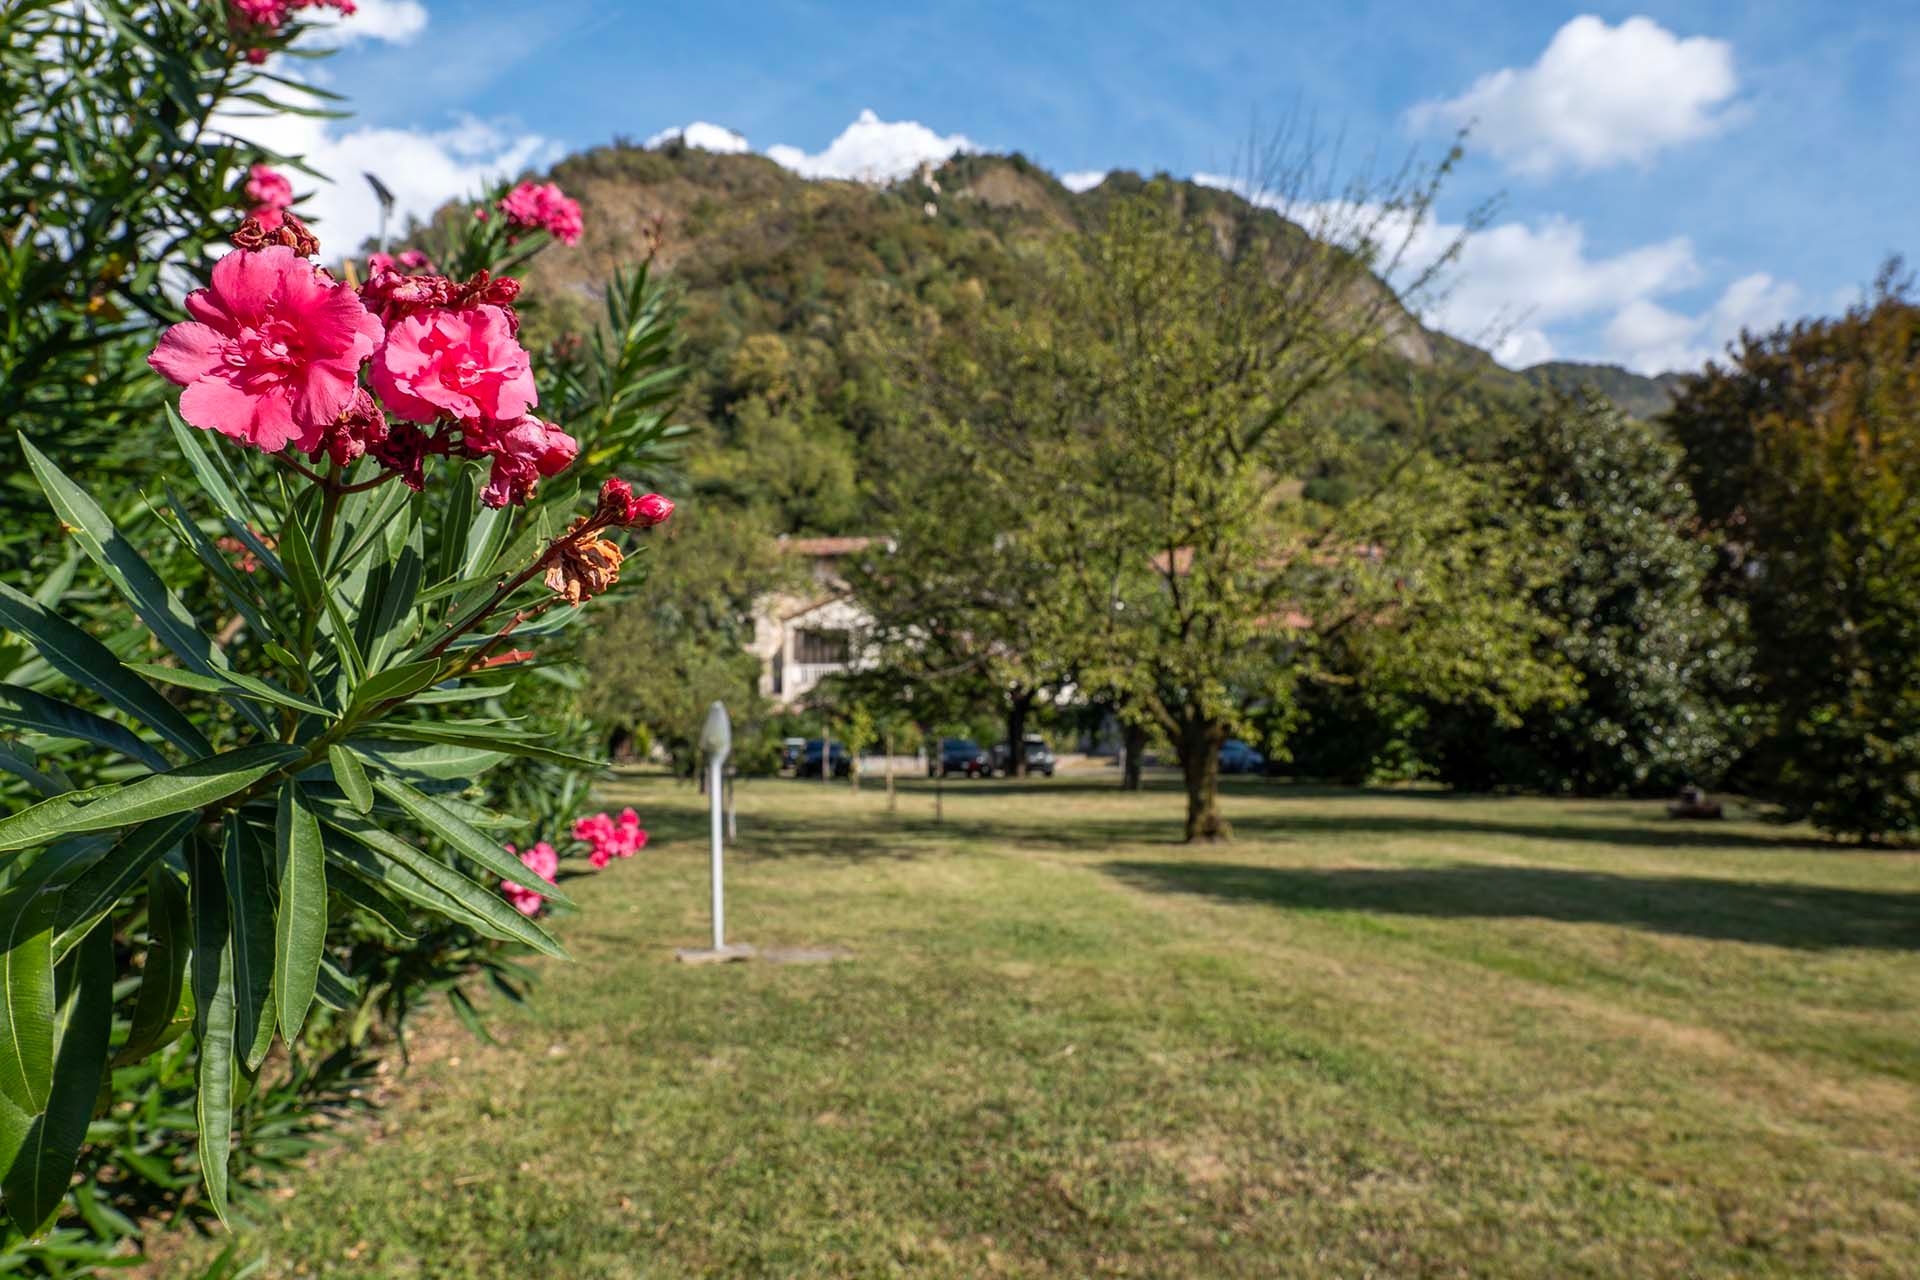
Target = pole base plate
(715,955)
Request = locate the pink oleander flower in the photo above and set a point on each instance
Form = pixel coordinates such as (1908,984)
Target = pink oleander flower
(543,207)
(268,188)
(523,453)
(273,353)
(607,839)
(463,365)
(414,260)
(378,262)
(543,862)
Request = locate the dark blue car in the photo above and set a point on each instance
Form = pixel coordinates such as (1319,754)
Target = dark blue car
(838,761)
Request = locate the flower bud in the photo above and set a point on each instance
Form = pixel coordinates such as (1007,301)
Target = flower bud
(644,513)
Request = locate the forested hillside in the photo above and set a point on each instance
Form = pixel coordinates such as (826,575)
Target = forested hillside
(804,299)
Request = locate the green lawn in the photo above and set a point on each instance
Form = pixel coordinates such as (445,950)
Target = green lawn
(1389,1034)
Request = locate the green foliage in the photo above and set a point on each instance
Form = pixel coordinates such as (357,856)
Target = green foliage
(1806,452)
(1660,664)
(254,810)
(1174,404)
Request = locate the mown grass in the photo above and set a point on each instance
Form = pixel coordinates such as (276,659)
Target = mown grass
(1382,1033)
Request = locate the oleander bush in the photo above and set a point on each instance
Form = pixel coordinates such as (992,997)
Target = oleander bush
(288,654)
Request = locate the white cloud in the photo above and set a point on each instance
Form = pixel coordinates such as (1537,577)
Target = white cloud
(1083,179)
(1650,338)
(423,168)
(394,21)
(873,150)
(707,137)
(1512,282)
(1598,96)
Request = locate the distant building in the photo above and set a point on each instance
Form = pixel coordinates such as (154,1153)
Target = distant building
(803,636)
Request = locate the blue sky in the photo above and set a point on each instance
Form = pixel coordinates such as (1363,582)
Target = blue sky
(1666,171)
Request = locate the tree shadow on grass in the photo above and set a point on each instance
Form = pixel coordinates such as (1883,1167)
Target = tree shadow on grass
(1808,917)
(1640,831)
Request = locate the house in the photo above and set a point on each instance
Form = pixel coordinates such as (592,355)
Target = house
(806,634)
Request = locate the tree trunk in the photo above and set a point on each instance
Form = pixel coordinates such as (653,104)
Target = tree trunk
(1019,704)
(826,755)
(1133,746)
(1200,761)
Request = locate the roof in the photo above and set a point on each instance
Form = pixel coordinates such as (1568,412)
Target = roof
(841,546)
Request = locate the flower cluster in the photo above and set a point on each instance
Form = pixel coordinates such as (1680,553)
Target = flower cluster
(543,862)
(543,207)
(607,839)
(271,194)
(276,346)
(256,20)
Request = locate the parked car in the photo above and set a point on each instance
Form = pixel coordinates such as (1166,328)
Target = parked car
(1039,757)
(1237,757)
(960,755)
(838,760)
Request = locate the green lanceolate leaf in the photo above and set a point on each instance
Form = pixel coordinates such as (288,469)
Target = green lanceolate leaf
(250,927)
(213,1020)
(390,622)
(348,887)
(26,1003)
(25,709)
(120,804)
(458,836)
(37,1179)
(27,921)
(90,664)
(157,606)
(426,760)
(21,763)
(303,571)
(421,878)
(157,1009)
(53,588)
(216,482)
(91,895)
(351,778)
(335,989)
(395,682)
(231,684)
(453,530)
(300,921)
(491,740)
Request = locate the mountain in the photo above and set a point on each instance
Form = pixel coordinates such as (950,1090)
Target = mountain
(1635,393)
(799,294)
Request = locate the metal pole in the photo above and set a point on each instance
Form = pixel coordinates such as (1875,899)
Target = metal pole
(733,828)
(719,903)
